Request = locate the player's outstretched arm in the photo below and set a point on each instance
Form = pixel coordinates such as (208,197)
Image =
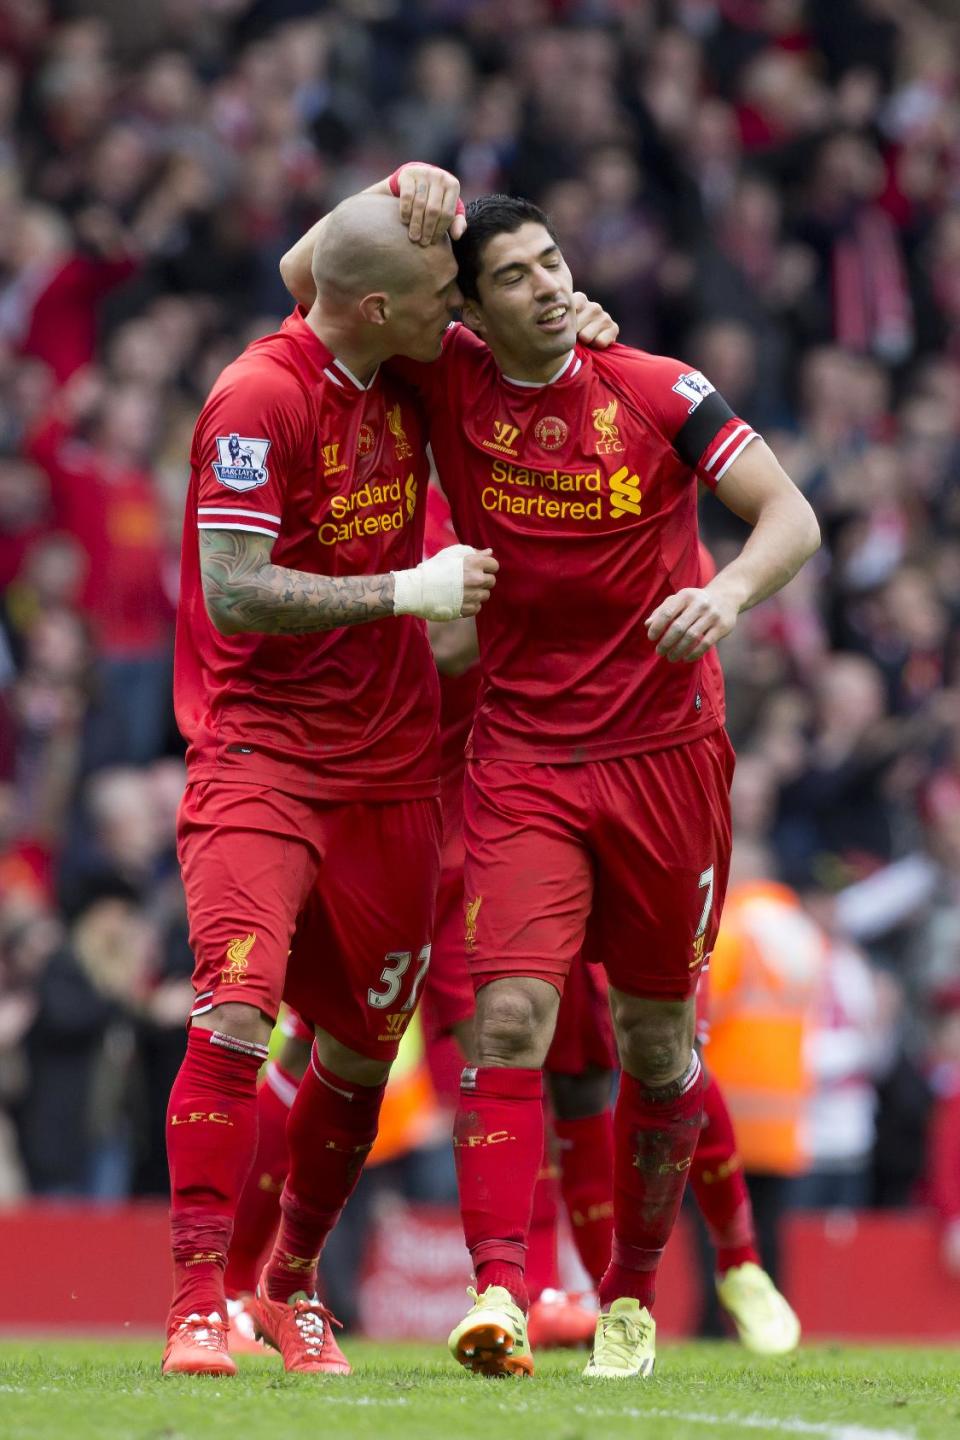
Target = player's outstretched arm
(429,207)
(245,592)
(785,534)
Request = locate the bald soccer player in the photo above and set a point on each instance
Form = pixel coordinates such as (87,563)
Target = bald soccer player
(307,694)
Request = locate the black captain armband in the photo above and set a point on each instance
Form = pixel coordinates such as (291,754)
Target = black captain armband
(700,427)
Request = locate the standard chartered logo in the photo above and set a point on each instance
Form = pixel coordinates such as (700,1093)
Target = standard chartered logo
(624,493)
(561,494)
(369,510)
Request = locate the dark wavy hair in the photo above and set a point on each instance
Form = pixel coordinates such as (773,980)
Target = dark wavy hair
(489,216)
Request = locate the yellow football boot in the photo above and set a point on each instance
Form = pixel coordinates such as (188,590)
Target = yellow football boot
(491,1339)
(765,1322)
(625,1344)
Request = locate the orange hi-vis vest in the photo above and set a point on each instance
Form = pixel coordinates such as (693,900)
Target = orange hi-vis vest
(765,973)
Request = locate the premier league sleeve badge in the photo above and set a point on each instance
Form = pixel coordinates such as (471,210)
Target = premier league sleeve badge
(242,462)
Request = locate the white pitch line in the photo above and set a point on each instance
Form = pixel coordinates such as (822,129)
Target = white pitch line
(788,1425)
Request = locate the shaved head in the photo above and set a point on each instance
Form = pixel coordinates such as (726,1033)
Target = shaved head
(365,247)
(379,294)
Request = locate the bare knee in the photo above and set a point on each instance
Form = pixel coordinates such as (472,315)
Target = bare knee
(349,1064)
(655,1037)
(243,1022)
(515,1022)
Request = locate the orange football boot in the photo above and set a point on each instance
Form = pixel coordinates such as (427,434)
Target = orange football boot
(197,1345)
(302,1330)
(558,1321)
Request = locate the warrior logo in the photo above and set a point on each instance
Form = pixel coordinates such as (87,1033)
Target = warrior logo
(242,462)
(505,438)
(394,1027)
(332,464)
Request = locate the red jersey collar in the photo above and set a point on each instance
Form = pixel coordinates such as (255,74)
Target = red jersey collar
(322,357)
(570,366)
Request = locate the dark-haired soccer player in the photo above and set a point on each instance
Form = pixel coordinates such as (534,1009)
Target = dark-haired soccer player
(596,803)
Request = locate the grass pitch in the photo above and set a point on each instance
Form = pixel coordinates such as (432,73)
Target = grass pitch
(96,1390)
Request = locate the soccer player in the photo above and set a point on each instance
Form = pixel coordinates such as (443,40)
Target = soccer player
(307,693)
(597,798)
(580,1064)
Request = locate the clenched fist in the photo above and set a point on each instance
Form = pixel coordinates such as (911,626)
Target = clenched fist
(453,583)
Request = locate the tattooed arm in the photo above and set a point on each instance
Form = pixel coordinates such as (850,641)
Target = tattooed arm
(245,591)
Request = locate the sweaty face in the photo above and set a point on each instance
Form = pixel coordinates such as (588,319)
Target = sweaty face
(526,296)
(420,310)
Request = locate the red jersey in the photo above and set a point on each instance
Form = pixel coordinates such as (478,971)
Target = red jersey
(586,490)
(289,444)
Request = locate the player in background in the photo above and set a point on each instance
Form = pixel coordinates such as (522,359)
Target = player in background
(307,694)
(597,800)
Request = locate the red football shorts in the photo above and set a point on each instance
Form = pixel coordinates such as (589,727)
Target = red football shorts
(364,876)
(625,860)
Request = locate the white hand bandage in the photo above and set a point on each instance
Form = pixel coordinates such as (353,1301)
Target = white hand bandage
(434,590)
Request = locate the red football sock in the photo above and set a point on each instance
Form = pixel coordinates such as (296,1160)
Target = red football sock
(331,1129)
(211,1138)
(259,1208)
(585,1151)
(716,1176)
(542,1271)
(498,1146)
(655,1134)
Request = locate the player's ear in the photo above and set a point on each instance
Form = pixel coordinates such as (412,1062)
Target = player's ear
(375,309)
(472,317)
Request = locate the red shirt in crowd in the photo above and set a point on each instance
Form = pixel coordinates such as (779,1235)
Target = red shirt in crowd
(62,329)
(289,444)
(113,511)
(586,490)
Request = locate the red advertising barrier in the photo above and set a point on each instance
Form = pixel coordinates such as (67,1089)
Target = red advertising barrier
(84,1269)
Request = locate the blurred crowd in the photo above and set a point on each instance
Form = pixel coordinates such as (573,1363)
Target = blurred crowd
(768,188)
